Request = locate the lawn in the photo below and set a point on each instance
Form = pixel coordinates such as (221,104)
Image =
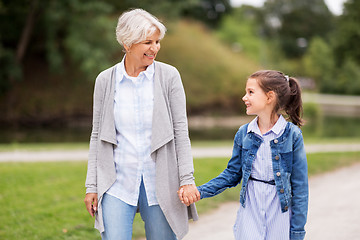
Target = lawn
(45,200)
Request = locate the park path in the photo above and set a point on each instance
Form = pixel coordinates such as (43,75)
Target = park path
(334,210)
(198,152)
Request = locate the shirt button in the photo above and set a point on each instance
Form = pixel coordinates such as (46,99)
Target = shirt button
(277,157)
(278,174)
(276,141)
(282,190)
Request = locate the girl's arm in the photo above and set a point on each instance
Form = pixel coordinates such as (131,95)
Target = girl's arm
(230,177)
(300,191)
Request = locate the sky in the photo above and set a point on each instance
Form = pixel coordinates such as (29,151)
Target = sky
(335,6)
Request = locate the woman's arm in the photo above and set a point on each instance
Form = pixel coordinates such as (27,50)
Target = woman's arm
(177,102)
(300,191)
(91,180)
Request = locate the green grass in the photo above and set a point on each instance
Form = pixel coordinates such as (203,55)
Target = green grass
(319,163)
(45,200)
(331,140)
(205,170)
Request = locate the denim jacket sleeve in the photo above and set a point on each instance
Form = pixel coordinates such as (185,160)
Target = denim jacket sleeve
(300,191)
(230,177)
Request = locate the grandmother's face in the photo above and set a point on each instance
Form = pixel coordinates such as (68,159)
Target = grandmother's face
(145,52)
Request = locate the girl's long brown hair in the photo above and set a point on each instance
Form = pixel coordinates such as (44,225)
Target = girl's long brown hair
(287,90)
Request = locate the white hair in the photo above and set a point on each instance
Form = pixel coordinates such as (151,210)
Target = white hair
(135,25)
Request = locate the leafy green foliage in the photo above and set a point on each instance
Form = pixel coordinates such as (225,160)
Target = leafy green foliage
(319,63)
(348,81)
(61,34)
(289,22)
(214,77)
(9,70)
(209,12)
(347,36)
(59,31)
(86,35)
(241,31)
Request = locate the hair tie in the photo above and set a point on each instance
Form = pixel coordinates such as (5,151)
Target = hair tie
(287,78)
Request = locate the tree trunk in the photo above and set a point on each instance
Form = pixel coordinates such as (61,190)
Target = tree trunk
(20,53)
(26,33)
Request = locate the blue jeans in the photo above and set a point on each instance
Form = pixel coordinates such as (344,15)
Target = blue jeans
(119,216)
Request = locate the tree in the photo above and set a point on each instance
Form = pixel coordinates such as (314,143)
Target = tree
(54,32)
(320,65)
(208,11)
(294,23)
(240,30)
(347,36)
(64,33)
(348,80)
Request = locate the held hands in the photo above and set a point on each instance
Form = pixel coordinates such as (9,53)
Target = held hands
(91,203)
(188,194)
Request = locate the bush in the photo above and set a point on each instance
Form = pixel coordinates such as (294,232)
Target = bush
(214,77)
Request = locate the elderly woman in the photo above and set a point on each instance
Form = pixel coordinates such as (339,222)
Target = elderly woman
(140,152)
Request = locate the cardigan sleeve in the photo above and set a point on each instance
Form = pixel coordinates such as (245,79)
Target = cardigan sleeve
(98,100)
(180,126)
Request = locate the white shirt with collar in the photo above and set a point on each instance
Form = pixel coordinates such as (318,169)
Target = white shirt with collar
(133,109)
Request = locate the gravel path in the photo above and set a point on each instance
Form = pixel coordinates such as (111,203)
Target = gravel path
(334,210)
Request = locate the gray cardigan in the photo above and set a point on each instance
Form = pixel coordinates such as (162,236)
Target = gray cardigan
(170,145)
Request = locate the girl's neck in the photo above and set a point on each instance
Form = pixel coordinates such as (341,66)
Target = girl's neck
(266,123)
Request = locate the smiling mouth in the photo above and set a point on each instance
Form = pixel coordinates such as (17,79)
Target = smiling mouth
(150,55)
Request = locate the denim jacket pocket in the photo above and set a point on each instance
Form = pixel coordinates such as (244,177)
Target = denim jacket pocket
(286,161)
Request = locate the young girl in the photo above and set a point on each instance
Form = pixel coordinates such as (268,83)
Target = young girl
(269,158)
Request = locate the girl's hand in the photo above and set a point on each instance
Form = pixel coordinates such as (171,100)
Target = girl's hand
(180,194)
(91,203)
(188,194)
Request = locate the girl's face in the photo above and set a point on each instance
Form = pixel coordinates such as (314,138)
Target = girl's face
(256,100)
(144,53)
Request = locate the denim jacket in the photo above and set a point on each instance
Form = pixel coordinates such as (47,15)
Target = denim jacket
(289,168)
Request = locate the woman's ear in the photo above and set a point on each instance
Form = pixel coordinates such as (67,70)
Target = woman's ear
(126,48)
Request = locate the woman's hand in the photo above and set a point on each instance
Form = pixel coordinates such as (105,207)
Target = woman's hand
(188,194)
(91,202)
